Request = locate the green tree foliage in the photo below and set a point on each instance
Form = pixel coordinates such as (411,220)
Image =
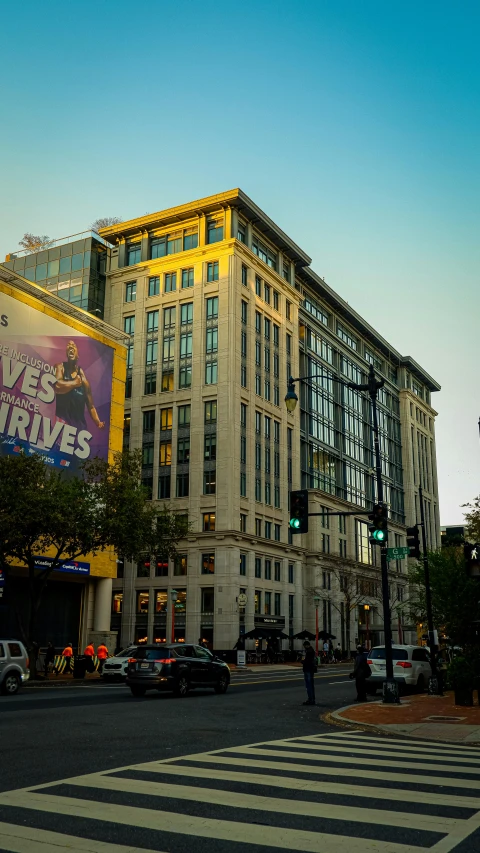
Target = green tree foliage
(472,520)
(43,512)
(455,595)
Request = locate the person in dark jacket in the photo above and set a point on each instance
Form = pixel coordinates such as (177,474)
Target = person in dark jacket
(309,667)
(360,673)
(49,657)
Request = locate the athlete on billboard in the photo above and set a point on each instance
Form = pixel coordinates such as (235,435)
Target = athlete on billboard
(73,392)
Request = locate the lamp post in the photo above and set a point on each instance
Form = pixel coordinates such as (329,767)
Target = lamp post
(390,687)
(316,601)
(366,608)
(173,598)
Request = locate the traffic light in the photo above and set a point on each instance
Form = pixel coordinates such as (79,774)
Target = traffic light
(299,511)
(378,526)
(472,559)
(413,541)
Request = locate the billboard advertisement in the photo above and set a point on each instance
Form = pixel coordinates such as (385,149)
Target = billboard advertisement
(55,388)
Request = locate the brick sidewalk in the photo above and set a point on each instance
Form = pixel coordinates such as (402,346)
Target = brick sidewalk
(431,717)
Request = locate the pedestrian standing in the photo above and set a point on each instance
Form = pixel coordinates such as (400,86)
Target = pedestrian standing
(49,657)
(68,654)
(102,655)
(309,668)
(360,673)
(202,643)
(89,654)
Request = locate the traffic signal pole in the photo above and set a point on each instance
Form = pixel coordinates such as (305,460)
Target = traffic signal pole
(434,684)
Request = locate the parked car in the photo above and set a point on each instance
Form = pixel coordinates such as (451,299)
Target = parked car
(179,667)
(14,665)
(411,666)
(115,668)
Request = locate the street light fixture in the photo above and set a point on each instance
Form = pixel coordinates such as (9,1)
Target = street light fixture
(316,601)
(390,687)
(173,598)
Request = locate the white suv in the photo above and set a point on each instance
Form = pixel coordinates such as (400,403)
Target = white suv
(411,666)
(14,664)
(115,668)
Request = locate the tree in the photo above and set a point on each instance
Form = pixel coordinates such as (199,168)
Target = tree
(45,513)
(455,595)
(472,518)
(104,222)
(34,243)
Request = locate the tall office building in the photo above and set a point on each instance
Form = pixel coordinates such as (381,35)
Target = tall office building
(222,307)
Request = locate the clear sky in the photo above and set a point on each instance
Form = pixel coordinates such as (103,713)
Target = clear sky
(354,125)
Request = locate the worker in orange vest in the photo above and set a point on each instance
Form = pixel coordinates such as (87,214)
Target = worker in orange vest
(68,654)
(102,655)
(90,654)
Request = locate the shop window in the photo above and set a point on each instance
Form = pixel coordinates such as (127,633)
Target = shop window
(142,602)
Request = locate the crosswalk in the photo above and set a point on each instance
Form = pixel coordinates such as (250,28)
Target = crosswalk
(341,792)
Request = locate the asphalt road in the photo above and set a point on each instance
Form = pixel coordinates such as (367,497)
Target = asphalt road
(48,734)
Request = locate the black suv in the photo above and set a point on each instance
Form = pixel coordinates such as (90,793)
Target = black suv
(177,667)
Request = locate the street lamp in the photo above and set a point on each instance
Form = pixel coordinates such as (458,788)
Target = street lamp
(390,688)
(366,608)
(173,598)
(316,601)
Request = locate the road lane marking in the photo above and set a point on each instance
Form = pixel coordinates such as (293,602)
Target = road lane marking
(28,839)
(316,747)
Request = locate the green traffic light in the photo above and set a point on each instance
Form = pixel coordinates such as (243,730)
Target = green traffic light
(379,535)
(295,523)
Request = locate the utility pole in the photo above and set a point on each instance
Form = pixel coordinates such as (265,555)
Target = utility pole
(434,685)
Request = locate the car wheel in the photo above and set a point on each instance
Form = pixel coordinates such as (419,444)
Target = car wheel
(222,683)
(182,686)
(421,684)
(11,684)
(138,691)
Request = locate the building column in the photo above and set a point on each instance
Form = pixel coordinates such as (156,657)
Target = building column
(121,253)
(144,247)
(101,618)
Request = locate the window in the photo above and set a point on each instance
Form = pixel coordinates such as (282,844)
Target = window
(288,309)
(258,285)
(326,580)
(278,603)
(243,564)
(244,311)
(291,606)
(290,573)
(276,431)
(209,482)
(169,318)
(268,604)
(258,567)
(209,521)
(243,484)
(154,285)
(147,454)
(268,494)
(174,243)
(267,326)
(183,451)
(324,518)
(267,460)
(180,565)
(266,293)
(258,423)
(151,352)
(186,313)
(244,275)
(267,359)
(276,395)
(364,552)
(149,421)
(243,376)
(258,601)
(268,530)
(183,416)
(243,449)
(243,522)
(342,547)
(186,345)
(117,603)
(142,602)
(165,455)
(268,570)
(152,321)
(208,564)
(258,354)
(187,278)
(214,230)
(185,376)
(258,456)
(264,253)
(258,322)
(129,325)
(243,414)
(212,271)
(267,389)
(276,334)
(134,252)
(164,484)
(212,340)
(268,423)
(346,337)
(211,412)
(276,532)
(286,270)
(241,232)
(182,485)
(190,239)
(161,566)
(276,497)
(342,524)
(166,418)
(212,308)
(211,373)
(288,342)
(258,527)
(170,282)
(243,342)
(275,300)
(150,386)
(130,291)
(210,451)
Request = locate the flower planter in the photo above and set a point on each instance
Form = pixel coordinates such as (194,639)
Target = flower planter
(464,696)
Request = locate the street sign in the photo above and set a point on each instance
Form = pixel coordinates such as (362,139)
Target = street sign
(242,600)
(397,553)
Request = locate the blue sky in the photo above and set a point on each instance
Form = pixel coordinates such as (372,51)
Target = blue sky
(355,126)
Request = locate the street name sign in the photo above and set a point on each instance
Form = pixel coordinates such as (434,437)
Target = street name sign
(397,553)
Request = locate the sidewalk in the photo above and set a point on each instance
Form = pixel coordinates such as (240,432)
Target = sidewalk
(419,716)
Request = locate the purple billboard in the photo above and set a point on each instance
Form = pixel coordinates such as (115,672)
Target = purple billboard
(55,388)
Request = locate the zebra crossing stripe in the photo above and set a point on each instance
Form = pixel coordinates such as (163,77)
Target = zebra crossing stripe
(327,748)
(27,839)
